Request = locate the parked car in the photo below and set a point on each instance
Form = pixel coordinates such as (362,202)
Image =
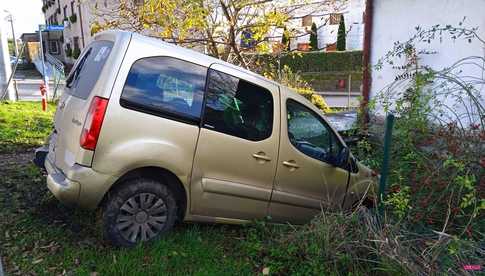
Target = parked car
(153,133)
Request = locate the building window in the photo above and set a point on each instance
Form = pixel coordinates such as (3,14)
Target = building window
(72,7)
(65,13)
(53,47)
(335,18)
(306,21)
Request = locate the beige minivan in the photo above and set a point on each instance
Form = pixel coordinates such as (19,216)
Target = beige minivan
(153,133)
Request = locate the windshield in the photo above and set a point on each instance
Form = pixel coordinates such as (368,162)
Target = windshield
(87,70)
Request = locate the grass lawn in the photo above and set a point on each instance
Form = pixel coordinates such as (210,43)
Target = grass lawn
(24,125)
(38,235)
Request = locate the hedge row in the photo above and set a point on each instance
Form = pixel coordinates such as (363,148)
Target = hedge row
(320,61)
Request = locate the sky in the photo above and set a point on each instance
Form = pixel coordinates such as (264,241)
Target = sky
(27,15)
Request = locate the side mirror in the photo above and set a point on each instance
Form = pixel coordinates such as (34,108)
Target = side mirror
(343,157)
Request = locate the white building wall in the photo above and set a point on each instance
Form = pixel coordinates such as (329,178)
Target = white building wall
(5,69)
(353,15)
(395,20)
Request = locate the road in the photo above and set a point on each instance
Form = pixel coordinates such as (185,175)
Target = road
(28,90)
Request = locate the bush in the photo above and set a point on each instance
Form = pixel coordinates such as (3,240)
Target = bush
(314,38)
(336,243)
(341,35)
(73,18)
(76,53)
(68,52)
(316,61)
(293,80)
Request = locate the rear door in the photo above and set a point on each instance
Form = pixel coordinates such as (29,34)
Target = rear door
(73,105)
(92,75)
(236,154)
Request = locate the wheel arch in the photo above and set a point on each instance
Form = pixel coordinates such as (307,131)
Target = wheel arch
(160,175)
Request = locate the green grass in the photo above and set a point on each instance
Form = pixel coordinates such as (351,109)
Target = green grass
(24,125)
(39,235)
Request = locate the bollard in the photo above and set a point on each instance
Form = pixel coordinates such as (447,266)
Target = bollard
(385,161)
(43,92)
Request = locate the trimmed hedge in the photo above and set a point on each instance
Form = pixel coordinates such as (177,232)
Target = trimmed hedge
(319,61)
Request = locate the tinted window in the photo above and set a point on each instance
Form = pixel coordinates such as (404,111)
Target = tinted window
(310,134)
(237,107)
(165,85)
(84,75)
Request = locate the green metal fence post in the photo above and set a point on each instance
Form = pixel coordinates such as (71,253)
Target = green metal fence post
(385,161)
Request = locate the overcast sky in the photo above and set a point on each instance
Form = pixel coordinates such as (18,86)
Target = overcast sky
(27,15)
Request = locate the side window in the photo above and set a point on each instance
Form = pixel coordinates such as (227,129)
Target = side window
(165,85)
(237,107)
(310,134)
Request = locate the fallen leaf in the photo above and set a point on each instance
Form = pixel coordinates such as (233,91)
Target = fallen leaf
(37,261)
(266,271)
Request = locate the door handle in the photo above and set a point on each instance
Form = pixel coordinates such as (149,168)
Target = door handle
(291,164)
(261,156)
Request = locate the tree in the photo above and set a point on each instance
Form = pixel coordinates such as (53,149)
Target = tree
(341,43)
(314,38)
(213,25)
(285,39)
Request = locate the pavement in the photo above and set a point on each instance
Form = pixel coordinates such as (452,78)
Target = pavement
(28,82)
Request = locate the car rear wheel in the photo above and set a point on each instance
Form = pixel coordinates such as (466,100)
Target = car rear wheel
(138,211)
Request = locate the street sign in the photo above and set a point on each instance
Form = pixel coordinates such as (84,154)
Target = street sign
(54,28)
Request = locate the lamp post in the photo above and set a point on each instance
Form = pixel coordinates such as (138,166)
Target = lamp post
(10,19)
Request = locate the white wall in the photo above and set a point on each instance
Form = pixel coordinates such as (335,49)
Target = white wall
(5,69)
(395,20)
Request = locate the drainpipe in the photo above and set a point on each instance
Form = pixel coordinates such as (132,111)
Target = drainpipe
(81,22)
(366,77)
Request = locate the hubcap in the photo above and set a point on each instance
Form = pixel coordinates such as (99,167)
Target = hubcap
(141,217)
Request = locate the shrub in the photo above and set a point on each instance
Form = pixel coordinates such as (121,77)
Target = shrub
(316,61)
(341,35)
(314,38)
(335,243)
(68,52)
(76,52)
(293,80)
(73,18)
(285,39)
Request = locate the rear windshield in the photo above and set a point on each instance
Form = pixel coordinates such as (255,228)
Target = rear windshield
(84,75)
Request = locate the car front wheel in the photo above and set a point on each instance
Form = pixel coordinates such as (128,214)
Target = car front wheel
(139,210)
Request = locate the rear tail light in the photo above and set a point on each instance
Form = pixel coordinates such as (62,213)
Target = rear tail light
(93,122)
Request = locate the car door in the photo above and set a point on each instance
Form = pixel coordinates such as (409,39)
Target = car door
(237,150)
(306,181)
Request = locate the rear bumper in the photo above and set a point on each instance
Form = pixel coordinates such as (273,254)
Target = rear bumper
(64,189)
(78,185)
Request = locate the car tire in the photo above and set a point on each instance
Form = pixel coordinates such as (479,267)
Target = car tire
(138,210)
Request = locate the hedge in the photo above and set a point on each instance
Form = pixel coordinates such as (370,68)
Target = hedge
(319,61)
